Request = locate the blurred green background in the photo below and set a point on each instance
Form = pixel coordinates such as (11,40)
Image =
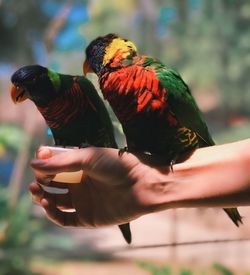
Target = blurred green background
(208,42)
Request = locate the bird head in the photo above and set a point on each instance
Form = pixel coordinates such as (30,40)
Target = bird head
(102,50)
(36,83)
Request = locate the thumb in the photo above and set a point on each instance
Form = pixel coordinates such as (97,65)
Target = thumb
(70,161)
(43,153)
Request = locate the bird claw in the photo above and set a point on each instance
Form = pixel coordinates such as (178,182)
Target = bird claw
(84,145)
(64,143)
(171,165)
(122,151)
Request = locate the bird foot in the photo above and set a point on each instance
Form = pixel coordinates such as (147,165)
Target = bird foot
(122,151)
(60,143)
(84,145)
(171,165)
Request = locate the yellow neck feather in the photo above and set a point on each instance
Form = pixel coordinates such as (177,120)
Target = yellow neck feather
(120,45)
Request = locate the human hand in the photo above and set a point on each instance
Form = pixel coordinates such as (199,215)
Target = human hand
(111,191)
(116,190)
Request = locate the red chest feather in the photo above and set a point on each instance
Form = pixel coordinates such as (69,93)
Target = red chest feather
(132,90)
(65,107)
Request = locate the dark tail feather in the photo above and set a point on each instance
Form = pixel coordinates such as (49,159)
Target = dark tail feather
(234,215)
(125,229)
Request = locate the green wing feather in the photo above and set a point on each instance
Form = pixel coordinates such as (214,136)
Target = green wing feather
(186,111)
(181,101)
(188,114)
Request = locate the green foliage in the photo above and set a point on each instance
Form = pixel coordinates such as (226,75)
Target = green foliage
(233,134)
(16,265)
(23,237)
(11,137)
(164,270)
(109,16)
(18,26)
(3,204)
(169,270)
(222,269)
(18,233)
(186,272)
(213,50)
(16,236)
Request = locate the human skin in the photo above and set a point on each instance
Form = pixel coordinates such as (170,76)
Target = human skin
(116,190)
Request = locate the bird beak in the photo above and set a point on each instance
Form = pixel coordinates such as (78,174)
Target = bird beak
(18,94)
(86,68)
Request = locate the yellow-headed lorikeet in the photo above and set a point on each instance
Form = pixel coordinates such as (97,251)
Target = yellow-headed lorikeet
(71,108)
(154,105)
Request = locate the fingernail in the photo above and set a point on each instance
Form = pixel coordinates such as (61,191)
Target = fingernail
(44,203)
(39,148)
(36,162)
(43,153)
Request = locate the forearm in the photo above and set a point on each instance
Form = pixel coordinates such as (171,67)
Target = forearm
(217,176)
(120,189)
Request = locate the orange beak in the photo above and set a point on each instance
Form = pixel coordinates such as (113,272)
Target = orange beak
(86,68)
(18,94)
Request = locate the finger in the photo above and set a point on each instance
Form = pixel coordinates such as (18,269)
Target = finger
(58,184)
(43,153)
(62,201)
(43,178)
(74,160)
(61,218)
(68,161)
(36,192)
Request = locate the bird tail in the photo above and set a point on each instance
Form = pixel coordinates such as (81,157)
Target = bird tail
(234,215)
(125,229)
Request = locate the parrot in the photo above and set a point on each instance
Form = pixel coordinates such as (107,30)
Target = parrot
(71,107)
(154,105)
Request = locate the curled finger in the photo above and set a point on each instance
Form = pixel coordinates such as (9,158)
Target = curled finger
(59,217)
(36,192)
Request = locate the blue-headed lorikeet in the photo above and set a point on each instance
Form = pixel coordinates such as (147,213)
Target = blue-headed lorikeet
(71,108)
(155,106)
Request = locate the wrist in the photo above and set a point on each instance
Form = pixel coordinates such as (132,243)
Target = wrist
(155,190)
(216,176)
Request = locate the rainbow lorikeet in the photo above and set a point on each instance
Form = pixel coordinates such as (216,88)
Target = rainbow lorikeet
(71,108)
(154,105)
